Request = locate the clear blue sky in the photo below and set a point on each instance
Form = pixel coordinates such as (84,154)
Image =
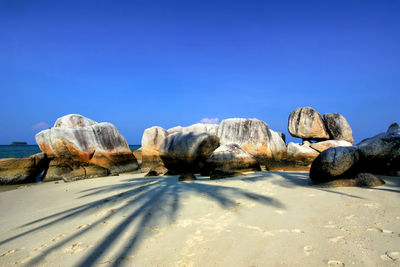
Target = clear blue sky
(143,63)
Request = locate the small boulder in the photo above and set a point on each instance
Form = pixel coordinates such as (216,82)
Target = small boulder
(187,177)
(301,153)
(220,174)
(230,157)
(335,163)
(157,171)
(23,170)
(138,155)
(324,145)
(307,123)
(338,127)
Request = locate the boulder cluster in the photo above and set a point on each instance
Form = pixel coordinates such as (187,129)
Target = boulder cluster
(226,149)
(77,148)
(318,134)
(378,155)
(239,144)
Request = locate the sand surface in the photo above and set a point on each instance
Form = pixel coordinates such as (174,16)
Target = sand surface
(263,219)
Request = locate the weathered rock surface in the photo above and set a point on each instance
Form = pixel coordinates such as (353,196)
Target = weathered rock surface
(381,154)
(74,146)
(23,170)
(307,123)
(74,121)
(230,157)
(301,153)
(195,128)
(335,163)
(324,145)
(187,152)
(338,127)
(152,141)
(254,136)
(138,155)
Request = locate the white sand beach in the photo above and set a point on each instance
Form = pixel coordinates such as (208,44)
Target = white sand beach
(262,219)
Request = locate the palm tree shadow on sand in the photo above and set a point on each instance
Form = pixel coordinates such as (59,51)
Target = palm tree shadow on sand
(143,202)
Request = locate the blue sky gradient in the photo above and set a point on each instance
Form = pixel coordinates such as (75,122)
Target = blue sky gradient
(138,64)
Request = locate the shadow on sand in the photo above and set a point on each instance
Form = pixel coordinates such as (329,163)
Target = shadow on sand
(143,202)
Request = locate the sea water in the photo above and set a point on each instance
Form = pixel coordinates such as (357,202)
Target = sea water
(23,151)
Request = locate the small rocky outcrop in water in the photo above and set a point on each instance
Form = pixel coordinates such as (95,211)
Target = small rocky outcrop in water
(82,148)
(229,158)
(23,170)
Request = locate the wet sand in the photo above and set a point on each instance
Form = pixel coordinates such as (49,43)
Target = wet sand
(262,219)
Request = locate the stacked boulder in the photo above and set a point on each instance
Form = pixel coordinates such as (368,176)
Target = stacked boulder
(352,165)
(194,148)
(318,134)
(82,148)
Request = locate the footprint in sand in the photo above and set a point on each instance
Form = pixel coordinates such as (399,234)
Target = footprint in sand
(58,237)
(41,247)
(350,217)
(11,251)
(280,212)
(74,248)
(308,250)
(379,230)
(334,263)
(336,239)
(291,231)
(83,226)
(391,256)
(371,205)
(23,260)
(330,224)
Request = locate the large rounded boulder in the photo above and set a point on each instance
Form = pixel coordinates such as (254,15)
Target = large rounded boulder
(187,152)
(152,141)
(307,123)
(381,154)
(23,170)
(338,127)
(230,157)
(255,137)
(335,163)
(82,148)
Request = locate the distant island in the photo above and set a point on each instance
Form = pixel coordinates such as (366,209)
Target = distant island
(18,143)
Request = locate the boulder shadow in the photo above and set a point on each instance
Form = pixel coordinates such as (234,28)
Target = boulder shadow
(143,202)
